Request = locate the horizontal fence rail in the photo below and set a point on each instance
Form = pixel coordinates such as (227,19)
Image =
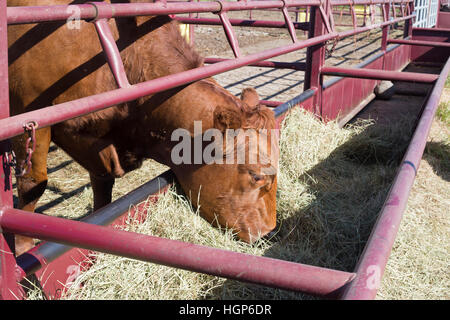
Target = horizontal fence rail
(380,74)
(239,266)
(19,15)
(242,23)
(420,43)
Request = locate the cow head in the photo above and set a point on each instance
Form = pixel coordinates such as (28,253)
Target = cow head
(237,189)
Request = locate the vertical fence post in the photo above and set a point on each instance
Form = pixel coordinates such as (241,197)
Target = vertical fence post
(407,32)
(385,31)
(192,28)
(407,29)
(365,15)
(315,58)
(9,288)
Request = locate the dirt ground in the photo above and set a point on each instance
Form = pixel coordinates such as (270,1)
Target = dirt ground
(69,194)
(278,84)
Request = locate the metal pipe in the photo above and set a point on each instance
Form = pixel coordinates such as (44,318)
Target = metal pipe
(229,33)
(242,23)
(385,31)
(369,2)
(111,52)
(46,252)
(9,288)
(328,83)
(346,25)
(347,13)
(420,43)
(436,31)
(30,14)
(290,25)
(243,267)
(372,263)
(315,59)
(380,74)
(300,66)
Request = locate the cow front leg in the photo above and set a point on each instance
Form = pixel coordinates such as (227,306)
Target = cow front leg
(102,188)
(31,186)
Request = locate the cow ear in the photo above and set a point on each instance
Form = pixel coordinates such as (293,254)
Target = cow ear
(227,117)
(250,97)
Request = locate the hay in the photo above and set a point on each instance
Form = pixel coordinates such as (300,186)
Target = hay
(418,267)
(332,184)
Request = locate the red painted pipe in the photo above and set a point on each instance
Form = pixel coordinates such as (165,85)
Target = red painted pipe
(373,261)
(243,267)
(420,43)
(112,53)
(360,2)
(242,23)
(301,66)
(380,74)
(20,15)
(230,34)
(9,288)
(290,25)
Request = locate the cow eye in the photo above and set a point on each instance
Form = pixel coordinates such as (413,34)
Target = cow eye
(256,177)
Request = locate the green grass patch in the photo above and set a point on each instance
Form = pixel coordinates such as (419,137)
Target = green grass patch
(443,113)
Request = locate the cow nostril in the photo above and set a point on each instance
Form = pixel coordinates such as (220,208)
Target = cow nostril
(272,235)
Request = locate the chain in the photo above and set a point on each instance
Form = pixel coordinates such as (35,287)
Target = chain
(329,52)
(25,165)
(10,157)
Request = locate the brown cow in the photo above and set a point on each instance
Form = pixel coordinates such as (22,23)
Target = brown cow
(50,64)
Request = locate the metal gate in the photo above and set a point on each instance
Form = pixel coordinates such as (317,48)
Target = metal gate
(426,13)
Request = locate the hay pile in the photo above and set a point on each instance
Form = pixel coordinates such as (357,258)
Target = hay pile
(332,184)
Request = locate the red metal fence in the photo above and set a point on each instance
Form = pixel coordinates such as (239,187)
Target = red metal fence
(317,96)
